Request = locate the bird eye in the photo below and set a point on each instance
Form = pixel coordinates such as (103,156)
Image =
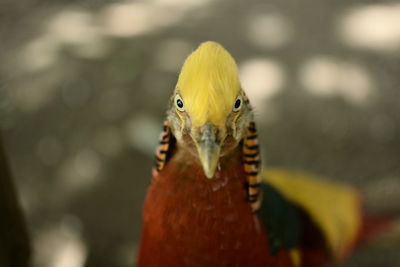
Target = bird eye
(238,104)
(179,103)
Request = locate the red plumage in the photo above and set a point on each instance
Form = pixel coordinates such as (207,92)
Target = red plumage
(190,220)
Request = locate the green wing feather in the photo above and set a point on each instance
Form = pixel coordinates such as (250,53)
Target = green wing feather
(281,220)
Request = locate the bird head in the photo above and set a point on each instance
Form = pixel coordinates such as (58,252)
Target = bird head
(209,111)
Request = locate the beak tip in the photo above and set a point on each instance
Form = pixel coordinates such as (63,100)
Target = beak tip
(209,163)
(209,175)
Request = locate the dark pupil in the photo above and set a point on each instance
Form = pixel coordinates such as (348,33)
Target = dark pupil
(237,103)
(179,103)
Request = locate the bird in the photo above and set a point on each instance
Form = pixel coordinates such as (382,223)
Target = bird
(210,203)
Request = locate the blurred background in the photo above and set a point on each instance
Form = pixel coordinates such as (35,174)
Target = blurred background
(84,87)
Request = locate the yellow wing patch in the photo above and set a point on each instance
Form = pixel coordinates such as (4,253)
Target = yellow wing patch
(334,207)
(295,256)
(209,84)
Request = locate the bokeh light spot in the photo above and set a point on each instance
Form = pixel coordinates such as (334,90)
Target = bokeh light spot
(269,30)
(262,78)
(80,171)
(328,76)
(142,132)
(61,245)
(373,27)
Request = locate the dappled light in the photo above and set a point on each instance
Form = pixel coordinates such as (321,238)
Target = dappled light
(372,27)
(138,130)
(128,20)
(62,245)
(84,86)
(80,171)
(262,78)
(88,33)
(269,30)
(134,18)
(40,53)
(327,76)
(77,28)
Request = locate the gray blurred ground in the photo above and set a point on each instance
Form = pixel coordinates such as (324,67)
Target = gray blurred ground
(84,86)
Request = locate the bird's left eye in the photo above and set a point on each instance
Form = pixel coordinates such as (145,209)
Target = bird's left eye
(238,104)
(179,103)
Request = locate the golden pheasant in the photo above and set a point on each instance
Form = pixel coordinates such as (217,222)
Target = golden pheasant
(209,204)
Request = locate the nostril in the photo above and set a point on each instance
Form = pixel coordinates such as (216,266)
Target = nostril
(208,133)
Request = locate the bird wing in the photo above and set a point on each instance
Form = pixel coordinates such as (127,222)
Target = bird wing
(333,207)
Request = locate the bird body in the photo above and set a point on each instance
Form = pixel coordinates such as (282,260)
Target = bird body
(204,206)
(190,220)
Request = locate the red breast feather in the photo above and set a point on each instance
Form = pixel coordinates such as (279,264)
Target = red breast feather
(190,220)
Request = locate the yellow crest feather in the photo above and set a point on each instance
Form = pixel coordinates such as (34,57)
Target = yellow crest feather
(209,84)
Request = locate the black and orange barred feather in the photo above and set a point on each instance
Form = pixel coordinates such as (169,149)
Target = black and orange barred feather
(162,149)
(251,163)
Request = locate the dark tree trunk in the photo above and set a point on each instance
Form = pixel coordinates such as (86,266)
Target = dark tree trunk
(14,238)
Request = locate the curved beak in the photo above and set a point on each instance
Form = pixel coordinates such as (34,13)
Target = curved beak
(208,149)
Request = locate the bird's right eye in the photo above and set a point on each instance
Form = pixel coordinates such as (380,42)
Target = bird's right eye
(179,103)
